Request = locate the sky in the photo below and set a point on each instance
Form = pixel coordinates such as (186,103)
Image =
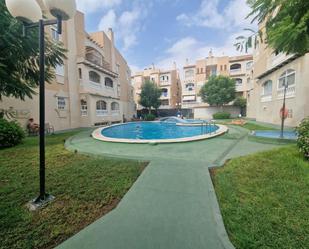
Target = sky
(164,31)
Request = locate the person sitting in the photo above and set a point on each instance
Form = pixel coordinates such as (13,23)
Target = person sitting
(32,127)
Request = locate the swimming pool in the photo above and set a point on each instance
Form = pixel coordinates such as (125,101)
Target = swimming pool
(276,134)
(158,132)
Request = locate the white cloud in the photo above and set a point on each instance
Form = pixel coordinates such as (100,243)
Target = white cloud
(210,15)
(108,21)
(192,49)
(126,25)
(89,6)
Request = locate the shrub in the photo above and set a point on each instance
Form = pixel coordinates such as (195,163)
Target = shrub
(303,137)
(149,117)
(11,133)
(221,115)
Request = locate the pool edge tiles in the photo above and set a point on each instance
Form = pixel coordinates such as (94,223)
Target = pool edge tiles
(97,134)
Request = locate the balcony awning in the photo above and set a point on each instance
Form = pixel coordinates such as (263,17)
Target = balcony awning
(189,97)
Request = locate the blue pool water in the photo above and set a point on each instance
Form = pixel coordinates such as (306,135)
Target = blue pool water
(276,134)
(155,130)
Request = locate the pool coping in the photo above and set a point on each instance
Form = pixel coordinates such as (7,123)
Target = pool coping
(97,134)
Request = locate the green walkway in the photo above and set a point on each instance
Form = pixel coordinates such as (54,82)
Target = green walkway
(172,204)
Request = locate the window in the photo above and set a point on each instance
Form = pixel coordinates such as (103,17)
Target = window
(59,70)
(164,92)
(94,77)
(225,67)
(61,103)
(267,88)
(83,107)
(201,70)
(197,70)
(287,78)
(109,82)
(115,106)
(235,67)
(54,34)
(189,73)
(101,108)
(238,82)
(165,102)
(249,65)
(80,74)
(189,87)
(221,68)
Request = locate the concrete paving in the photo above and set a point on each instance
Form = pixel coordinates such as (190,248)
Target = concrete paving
(173,203)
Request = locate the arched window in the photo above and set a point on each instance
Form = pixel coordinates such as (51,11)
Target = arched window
(267,88)
(101,108)
(115,106)
(189,87)
(83,107)
(164,92)
(287,79)
(235,67)
(94,77)
(109,82)
(238,82)
(189,73)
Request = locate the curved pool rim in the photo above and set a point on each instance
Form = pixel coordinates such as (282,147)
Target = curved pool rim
(97,134)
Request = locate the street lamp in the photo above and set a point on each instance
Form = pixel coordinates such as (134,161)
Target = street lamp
(30,13)
(283,111)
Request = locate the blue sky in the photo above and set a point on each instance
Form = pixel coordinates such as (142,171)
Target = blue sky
(163,31)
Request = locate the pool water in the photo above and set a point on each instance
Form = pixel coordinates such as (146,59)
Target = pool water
(155,130)
(276,134)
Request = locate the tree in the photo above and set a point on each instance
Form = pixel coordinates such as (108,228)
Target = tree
(150,95)
(241,102)
(286,25)
(19,57)
(219,90)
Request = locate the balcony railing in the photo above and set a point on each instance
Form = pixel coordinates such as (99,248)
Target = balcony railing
(101,112)
(266,98)
(290,92)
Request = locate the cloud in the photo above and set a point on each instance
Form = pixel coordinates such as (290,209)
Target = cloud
(193,49)
(210,15)
(108,21)
(90,6)
(127,25)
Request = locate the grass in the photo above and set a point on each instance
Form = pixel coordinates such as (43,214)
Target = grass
(256,127)
(264,199)
(85,188)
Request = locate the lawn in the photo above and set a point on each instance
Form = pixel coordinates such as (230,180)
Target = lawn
(264,199)
(256,127)
(85,188)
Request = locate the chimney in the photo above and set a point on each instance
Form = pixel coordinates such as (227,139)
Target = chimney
(174,65)
(153,66)
(210,53)
(187,62)
(110,35)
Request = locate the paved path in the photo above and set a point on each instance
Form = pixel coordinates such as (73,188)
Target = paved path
(172,204)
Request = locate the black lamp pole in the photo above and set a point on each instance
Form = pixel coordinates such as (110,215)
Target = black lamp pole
(43,197)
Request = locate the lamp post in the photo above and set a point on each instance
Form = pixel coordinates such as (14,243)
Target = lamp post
(30,13)
(282,112)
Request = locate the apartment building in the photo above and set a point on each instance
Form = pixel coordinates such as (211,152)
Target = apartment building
(271,72)
(196,75)
(167,80)
(93,87)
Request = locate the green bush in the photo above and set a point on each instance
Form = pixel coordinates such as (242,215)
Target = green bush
(303,137)
(11,133)
(221,115)
(149,117)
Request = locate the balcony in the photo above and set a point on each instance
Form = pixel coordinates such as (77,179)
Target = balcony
(290,92)
(266,98)
(165,82)
(101,112)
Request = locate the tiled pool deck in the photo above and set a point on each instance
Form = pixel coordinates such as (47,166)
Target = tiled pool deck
(173,203)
